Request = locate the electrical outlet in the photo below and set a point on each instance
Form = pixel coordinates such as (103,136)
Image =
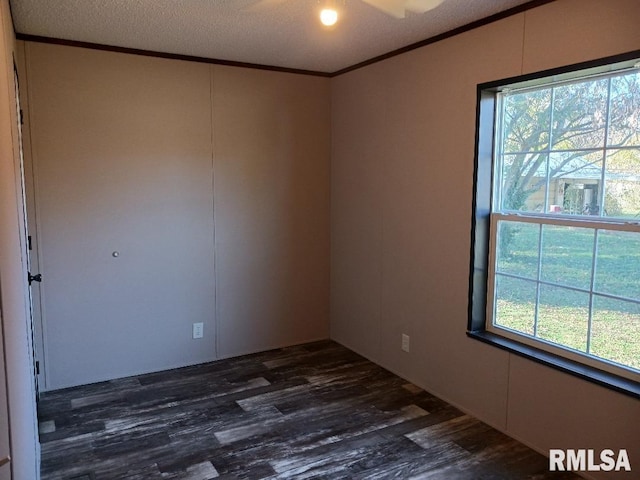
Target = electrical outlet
(198,330)
(405,343)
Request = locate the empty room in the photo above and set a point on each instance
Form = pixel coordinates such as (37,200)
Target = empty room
(319,239)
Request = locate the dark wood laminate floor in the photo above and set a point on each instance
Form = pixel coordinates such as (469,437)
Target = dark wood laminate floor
(315,411)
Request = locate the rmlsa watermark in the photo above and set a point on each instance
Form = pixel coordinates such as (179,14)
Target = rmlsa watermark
(586,460)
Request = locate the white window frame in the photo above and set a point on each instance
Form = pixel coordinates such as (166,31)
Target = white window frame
(541,343)
(484,227)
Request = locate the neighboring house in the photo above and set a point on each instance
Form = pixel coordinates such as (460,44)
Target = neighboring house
(579,193)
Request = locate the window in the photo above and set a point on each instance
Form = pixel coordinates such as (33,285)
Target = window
(556,259)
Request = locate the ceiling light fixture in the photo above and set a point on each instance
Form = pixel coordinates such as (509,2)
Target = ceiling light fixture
(329,12)
(329,16)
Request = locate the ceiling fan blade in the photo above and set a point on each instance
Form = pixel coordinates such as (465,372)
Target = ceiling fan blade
(261,5)
(421,6)
(395,8)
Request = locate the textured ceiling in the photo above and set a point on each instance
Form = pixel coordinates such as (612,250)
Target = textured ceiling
(285,34)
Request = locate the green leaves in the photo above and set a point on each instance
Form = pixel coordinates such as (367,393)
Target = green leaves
(555,137)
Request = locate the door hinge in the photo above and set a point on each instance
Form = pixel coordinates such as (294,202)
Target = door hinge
(37,367)
(21,117)
(29,242)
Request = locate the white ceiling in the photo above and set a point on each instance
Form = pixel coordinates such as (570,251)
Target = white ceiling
(286,35)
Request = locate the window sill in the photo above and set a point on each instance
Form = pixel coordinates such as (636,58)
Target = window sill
(605,379)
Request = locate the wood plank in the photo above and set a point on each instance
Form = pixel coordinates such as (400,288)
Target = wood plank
(309,411)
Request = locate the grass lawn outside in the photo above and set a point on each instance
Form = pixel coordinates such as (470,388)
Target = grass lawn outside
(566,258)
(614,335)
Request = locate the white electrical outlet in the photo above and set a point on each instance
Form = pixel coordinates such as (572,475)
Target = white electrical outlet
(198,330)
(405,343)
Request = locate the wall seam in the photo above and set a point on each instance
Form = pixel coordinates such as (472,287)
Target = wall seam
(216,329)
(524,36)
(508,394)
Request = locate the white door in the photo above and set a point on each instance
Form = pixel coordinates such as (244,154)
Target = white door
(34,277)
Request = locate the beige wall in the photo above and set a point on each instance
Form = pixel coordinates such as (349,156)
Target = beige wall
(211,183)
(402,170)
(16,362)
(271,189)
